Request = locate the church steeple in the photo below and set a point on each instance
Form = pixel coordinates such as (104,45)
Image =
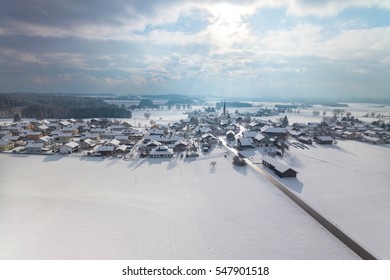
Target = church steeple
(224,108)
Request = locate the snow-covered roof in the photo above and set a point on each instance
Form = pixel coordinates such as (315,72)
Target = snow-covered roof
(72,144)
(180,142)
(276,164)
(105,148)
(114,142)
(62,134)
(34,145)
(245,141)
(249,133)
(325,138)
(271,129)
(162,150)
(154,143)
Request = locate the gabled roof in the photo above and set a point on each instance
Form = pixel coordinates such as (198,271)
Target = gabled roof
(271,129)
(34,145)
(325,138)
(154,143)
(249,133)
(105,148)
(72,144)
(245,141)
(276,164)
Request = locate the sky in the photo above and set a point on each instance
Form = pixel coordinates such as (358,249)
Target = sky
(292,48)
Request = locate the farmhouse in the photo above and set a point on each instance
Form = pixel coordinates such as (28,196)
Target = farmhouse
(230,135)
(180,146)
(106,150)
(263,141)
(304,139)
(34,135)
(279,169)
(324,140)
(274,131)
(245,143)
(64,137)
(34,148)
(161,152)
(69,148)
(87,144)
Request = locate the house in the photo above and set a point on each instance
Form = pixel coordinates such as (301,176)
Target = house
(207,137)
(230,135)
(161,152)
(69,148)
(245,143)
(106,150)
(118,127)
(120,150)
(123,139)
(274,131)
(34,148)
(305,140)
(92,136)
(324,140)
(180,146)
(152,145)
(47,140)
(114,143)
(262,141)
(34,135)
(279,168)
(6,145)
(249,134)
(87,144)
(73,129)
(373,140)
(64,137)
(156,131)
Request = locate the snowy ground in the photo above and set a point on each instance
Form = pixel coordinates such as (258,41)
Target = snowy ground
(349,184)
(59,207)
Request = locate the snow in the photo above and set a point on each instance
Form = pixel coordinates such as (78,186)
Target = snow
(349,184)
(69,207)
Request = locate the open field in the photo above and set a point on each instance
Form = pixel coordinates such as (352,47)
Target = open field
(58,207)
(349,184)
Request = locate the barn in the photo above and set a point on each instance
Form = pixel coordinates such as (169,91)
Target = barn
(279,168)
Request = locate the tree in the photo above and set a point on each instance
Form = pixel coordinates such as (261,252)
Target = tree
(323,113)
(17,118)
(213,163)
(285,121)
(238,161)
(348,114)
(169,106)
(178,106)
(316,113)
(147,115)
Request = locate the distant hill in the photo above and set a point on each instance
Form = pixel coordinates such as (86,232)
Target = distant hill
(35,105)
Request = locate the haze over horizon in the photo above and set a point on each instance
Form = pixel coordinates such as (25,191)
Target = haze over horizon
(280,49)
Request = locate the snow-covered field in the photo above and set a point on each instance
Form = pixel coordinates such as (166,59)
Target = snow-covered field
(59,207)
(349,184)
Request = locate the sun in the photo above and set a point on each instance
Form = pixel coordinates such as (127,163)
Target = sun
(226,23)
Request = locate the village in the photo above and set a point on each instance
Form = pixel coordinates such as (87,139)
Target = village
(189,137)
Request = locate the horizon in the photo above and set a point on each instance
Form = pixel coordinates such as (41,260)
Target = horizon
(279,50)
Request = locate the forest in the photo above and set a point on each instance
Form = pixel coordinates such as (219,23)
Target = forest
(40,106)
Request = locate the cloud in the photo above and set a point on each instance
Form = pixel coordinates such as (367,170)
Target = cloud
(168,45)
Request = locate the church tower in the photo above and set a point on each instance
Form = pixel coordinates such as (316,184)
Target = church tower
(224,108)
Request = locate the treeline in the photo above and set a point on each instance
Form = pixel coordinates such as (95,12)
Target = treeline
(59,106)
(233,105)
